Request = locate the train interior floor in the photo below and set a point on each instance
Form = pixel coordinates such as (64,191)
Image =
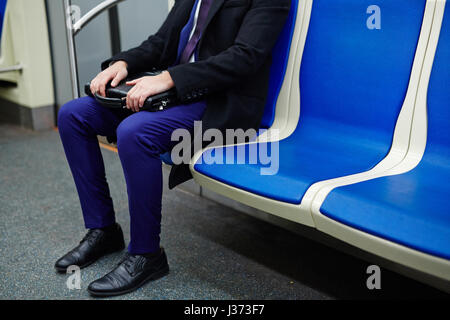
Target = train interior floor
(214,252)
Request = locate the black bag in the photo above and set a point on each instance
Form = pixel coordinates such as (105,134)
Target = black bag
(116,98)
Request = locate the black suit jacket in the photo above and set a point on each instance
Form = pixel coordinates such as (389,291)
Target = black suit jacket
(234,59)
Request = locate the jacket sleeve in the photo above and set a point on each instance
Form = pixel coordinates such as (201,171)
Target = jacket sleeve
(253,45)
(148,54)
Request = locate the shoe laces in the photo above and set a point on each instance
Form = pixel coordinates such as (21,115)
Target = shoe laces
(129,262)
(91,236)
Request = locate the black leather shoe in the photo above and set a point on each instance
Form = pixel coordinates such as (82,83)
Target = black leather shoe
(130,274)
(95,244)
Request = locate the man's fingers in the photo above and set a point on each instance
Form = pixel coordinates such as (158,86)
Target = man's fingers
(131,97)
(144,95)
(142,100)
(115,75)
(93,86)
(130,93)
(102,90)
(134,82)
(119,77)
(102,80)
(130,101)
(115,81)
(98,86)
(136,97)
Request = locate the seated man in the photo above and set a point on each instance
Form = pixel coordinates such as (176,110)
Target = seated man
(215,50)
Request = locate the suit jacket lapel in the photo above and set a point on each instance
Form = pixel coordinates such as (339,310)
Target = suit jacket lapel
(215,6)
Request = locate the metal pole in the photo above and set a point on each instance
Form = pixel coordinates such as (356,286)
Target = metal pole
(105,5)
(72,31)
(114,27)
(72,50)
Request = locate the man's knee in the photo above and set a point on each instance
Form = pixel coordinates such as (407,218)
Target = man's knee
(70,112)
(136,135)
(65,114)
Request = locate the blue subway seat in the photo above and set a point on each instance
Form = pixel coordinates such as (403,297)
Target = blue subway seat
(353,81)
(280,57)
(412,209)
(2,15)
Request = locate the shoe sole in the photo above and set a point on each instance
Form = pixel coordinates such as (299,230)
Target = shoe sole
(154,276)
(64,270)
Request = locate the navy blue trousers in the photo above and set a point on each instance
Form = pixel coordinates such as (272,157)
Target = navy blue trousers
(141,138)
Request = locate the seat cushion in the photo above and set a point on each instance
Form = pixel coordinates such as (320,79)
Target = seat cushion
(411,209)
(312,154)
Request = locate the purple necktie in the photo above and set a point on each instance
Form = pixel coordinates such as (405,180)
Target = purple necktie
(193,42)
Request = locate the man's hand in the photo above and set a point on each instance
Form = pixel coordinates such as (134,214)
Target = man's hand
(146,87)
(116,72)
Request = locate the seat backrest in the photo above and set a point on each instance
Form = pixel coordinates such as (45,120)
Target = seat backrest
(280,57)
(2,15)
(438,138)
(354,73)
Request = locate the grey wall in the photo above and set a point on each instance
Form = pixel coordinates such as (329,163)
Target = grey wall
(139,19)
(93,43)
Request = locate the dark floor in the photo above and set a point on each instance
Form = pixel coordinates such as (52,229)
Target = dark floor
(214,252)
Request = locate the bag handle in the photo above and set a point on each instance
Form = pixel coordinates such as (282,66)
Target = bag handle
(116,103)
